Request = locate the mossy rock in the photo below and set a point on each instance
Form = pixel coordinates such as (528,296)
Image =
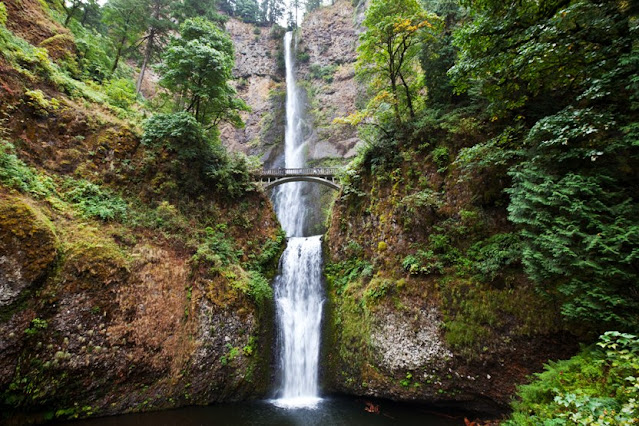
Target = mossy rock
(93,263)
(60,46)
(28,247)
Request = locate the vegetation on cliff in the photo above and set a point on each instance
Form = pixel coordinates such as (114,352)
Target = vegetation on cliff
(498,186)
(126,259)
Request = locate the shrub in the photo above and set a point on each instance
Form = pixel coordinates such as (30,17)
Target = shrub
(178,132)
(599,386)
(95,202)
(422,262)
(259,288)
(14,173)
(121,92)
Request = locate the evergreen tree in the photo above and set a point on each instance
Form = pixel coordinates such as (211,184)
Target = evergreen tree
(567,71)
(126,20)
(159,24)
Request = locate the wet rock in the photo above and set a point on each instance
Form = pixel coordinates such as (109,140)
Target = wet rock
(28,247)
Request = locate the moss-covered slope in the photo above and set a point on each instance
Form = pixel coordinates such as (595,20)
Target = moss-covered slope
(127,283)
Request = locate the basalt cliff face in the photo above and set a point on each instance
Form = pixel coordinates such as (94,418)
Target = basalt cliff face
(326,54)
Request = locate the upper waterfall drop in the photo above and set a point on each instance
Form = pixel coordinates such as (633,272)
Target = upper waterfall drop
(289,199)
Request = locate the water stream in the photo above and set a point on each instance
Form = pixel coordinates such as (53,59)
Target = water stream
(298,287)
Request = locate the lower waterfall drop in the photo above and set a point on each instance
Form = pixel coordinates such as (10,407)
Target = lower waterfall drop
(299,302)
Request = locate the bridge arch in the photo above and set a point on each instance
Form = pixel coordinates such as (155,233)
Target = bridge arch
(321,181)
(321,175)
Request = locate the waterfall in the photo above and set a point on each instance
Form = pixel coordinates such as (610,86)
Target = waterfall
(298,287)
(289,201)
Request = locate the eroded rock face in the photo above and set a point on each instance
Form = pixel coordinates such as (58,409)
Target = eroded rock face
(259,83)
(28,247)
(329,38)
(327,43)
(120,328)
(402,342)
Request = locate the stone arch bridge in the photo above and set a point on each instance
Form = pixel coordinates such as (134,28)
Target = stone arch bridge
(322,175)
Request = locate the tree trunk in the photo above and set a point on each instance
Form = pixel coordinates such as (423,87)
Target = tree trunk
(117,55)
(70,12)
(147,56)
(409,100)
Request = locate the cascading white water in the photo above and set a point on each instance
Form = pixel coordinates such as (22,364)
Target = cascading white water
(289,203)
(298,294)
(298,287)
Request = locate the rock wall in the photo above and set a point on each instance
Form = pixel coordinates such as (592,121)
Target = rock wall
(90,326)
(259,82)
(326,56)
(414,315)
(153,309)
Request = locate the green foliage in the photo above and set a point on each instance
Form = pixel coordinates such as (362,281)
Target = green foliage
(197,67)
(232,353)
(126,20)
(3,14)
(340,274)
(37,100)
(37,324)
(208,162)
(259,288)
(422,262)
(179,132)
(14,173)
(494,255)
(441,157)
(268,254)
(599,386)
(438,54)
(121,92)
(217,250)
(95,202)
(388,51)
(95,52)
(323,73)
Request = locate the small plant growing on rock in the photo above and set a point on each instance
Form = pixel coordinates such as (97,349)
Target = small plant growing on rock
(37,324)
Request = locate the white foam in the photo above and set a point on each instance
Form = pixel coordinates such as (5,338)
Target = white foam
(300,402)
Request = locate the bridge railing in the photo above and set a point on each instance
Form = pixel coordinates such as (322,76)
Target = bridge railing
(307,171)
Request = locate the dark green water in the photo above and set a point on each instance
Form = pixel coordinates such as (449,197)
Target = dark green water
(330,412)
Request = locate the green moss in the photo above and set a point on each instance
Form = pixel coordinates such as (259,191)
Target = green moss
(28,236)
(92,262)
(3,14)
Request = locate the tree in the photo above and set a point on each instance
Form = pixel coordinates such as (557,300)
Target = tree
(272,11)
(311,5)
(389,47)
(438,55)
(247,10)
(70,9)
(197,67)
(126,20)
(567,71)
(160,23)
